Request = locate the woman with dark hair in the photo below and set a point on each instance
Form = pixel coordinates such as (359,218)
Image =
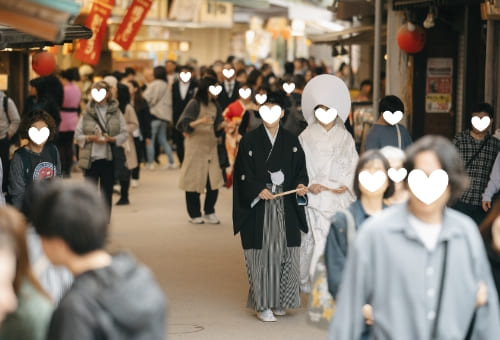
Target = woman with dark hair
(202,123)
(383,133)
(490,231)
(142,135)
(129,146)
(34,310)
(41,98)
(36,160)
(101,124)
(254,80)
(69,118)
(420,255)
(370,202)
(159,97)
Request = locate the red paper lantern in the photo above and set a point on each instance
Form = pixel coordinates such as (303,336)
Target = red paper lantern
(43,63)
(411,38)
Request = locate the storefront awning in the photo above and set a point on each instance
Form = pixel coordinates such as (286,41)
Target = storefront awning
(358,35)
(12,38)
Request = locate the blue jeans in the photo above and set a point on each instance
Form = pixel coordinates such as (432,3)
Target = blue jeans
(159,129)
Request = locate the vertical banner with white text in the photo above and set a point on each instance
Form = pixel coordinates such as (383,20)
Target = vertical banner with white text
(132,22)
(89,50)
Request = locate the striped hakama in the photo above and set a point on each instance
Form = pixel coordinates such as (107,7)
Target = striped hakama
(273,271)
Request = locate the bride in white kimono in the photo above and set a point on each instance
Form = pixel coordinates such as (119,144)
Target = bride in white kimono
(331,160)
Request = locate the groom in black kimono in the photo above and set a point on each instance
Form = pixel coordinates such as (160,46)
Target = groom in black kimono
(271,161)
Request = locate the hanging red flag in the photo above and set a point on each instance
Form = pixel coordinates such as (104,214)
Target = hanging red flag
(132,22)
(89,50)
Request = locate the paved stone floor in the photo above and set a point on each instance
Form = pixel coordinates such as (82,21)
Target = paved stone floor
(199,267)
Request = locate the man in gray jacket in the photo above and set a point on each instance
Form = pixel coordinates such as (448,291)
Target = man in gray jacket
(420,265)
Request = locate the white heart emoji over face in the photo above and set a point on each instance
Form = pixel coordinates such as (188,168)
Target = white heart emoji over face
(480,123)
(288,87)
(270,115)
(372,182)
(428,189)
(228,72)
(215,90)
(185,76)
(39,136)
(98,95)
(325,116)
(397,175)
(260,98)
(245,93)
(393,118)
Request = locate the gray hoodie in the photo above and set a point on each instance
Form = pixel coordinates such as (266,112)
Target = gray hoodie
(118,302)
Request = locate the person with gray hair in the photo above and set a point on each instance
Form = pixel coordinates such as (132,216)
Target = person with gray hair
(421,265)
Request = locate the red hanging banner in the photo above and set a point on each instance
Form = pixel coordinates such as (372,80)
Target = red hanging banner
(89,50)
(132,22)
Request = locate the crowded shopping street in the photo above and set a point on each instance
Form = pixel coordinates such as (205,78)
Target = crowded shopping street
(233,170)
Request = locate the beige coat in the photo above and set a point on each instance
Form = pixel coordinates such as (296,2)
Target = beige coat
(200,158)
(132,124)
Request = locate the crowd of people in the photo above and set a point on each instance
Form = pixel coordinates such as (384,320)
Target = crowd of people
(401,252)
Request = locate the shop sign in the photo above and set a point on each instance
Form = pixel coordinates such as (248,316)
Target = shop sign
(132,22)
(215,12)
(184,10)
(438,98)
(89,50)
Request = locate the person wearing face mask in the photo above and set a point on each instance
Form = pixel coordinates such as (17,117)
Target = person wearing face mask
(421,265)
(37,160)
(100,125)
(201,123)
(478,150)
(269,188)
(331,159)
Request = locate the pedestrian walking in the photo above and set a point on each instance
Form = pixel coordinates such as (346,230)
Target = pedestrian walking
(478,150)
(113,296)
(270,182)
(159,97)
(201,123)
(331,159)
(142,135)
(101,127)
(433,255)
(39,159)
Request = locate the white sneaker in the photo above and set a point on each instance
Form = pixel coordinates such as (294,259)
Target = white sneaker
(171,166)
(266,316)
(196,220)
(211,218)
(134,183)
(279,312)
(150,166)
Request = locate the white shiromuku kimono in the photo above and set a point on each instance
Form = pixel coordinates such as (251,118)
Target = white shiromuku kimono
(331,160)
